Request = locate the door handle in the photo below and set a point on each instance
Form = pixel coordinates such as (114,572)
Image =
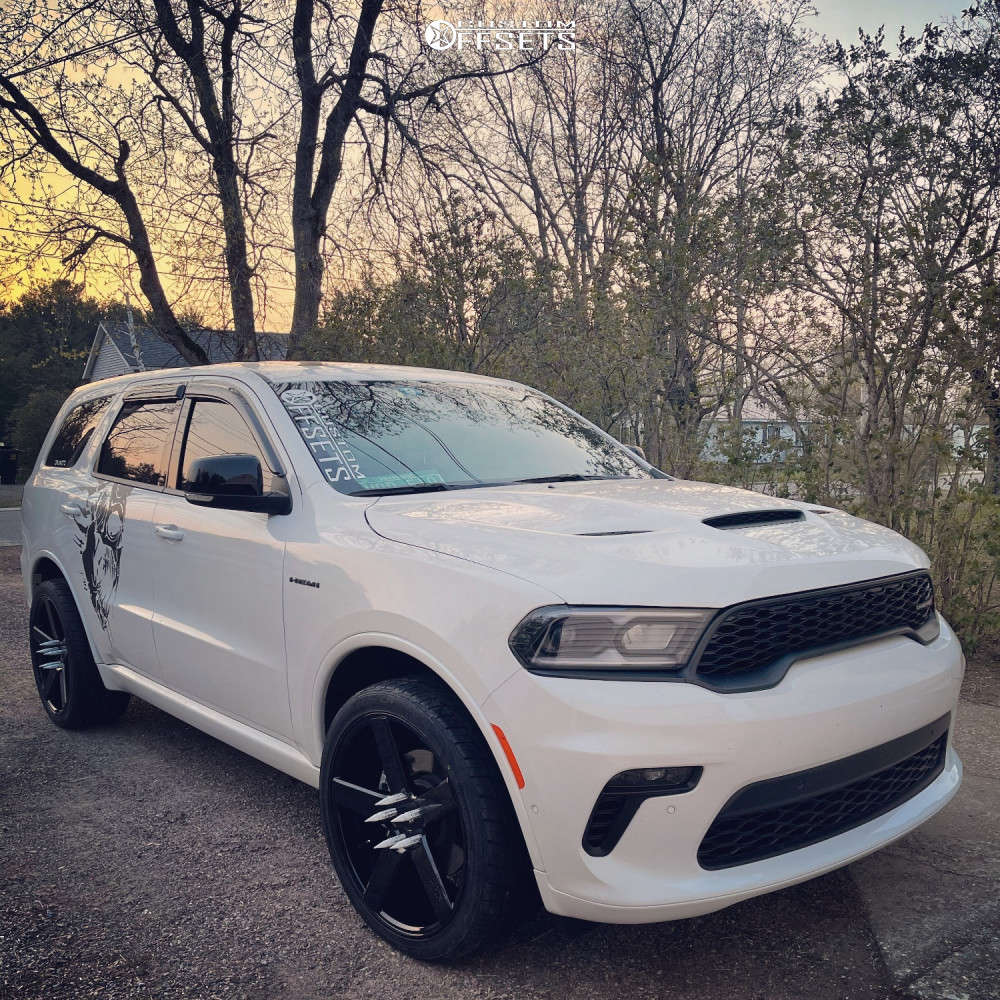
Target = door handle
(71,509)
(169,531)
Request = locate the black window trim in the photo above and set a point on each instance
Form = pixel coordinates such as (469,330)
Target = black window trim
(150,393)
(208,389)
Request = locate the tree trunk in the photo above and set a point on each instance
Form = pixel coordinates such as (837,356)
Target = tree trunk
(308,286)
(219,141)
(116,188)
(311,196)
(164,319)
(237,263)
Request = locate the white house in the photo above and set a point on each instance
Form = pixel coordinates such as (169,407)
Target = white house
(120,347)
(763,429)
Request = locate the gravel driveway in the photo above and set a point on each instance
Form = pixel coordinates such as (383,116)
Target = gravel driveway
(149,860)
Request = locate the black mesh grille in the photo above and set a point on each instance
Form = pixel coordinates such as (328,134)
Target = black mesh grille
(740,835)
(752,637)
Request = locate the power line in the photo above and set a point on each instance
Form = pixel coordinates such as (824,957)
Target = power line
(355,248)
(186,258)
(156,227)
(75,55)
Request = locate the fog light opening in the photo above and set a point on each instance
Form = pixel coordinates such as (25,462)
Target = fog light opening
(655,780)
(621,797)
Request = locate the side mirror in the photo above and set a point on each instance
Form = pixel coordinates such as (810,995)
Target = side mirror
(233,482)
(636,450)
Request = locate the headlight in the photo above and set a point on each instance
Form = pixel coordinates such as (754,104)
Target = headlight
(616,640)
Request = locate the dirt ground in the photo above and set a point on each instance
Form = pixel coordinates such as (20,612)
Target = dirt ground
(149,860)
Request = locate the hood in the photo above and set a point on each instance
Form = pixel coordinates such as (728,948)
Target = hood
(645,542)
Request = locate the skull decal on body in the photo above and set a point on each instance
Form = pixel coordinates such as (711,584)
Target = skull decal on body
(101,531)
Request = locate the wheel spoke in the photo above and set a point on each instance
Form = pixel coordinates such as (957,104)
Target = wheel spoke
(392,763)
(430,879)
(62,687)
(390,827)
(49,682)
(45,638)
(50,613)
(441,797)
(386,866)
(354,798)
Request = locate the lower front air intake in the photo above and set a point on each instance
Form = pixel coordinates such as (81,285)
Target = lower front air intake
(783,814)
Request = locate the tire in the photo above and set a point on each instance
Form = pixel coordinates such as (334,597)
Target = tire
(412,742)
(71,689)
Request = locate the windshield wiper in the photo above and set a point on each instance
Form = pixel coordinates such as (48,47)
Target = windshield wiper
(387,491)
(566,477)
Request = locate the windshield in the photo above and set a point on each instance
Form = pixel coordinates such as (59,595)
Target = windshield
(377,437)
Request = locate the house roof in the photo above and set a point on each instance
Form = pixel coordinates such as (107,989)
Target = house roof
(143,350)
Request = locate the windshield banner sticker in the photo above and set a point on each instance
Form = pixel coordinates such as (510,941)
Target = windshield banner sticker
(331,451)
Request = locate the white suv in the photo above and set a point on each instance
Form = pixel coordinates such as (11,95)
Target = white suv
(496,640)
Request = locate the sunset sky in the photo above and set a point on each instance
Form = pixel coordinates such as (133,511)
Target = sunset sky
(834,19)
(842,18)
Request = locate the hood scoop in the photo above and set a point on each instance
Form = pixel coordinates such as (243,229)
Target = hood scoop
(752,518)
(605,534)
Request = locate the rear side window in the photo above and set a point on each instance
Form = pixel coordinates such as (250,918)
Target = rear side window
(75,432)
(137,447)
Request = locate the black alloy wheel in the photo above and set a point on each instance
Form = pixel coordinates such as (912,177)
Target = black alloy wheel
(419,824)
(401,829)
(66,676)
(49,655)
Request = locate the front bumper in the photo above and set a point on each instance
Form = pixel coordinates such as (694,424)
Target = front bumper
(571,736)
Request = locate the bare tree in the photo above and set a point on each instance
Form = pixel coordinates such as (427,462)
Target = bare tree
(549,150)
(173,89)
(211,42)
(87,128)
(710,81)
(895,212)
(384,78)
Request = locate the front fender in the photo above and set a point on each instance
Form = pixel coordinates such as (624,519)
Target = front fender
(363,640)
